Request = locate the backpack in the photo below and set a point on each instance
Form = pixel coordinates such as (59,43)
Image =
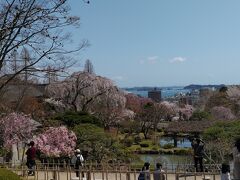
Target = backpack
(141,176)
(79,161)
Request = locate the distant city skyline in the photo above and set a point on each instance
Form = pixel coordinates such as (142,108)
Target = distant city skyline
(159,42)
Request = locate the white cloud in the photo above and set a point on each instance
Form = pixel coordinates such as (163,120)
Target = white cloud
(177,59)
(149,60)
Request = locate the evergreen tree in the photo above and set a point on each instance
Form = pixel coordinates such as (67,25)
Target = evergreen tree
(88,67)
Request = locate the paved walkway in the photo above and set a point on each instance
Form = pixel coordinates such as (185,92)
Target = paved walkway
(47,175)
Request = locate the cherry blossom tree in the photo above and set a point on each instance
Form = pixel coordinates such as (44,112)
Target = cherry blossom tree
(56,142)
(170,109)
(83,91)
(16,128)
(222,113)
(185,112)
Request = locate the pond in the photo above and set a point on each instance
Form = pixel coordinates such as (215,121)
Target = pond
(182,142)
(168,161)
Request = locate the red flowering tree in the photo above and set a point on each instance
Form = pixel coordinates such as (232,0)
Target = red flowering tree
(136,103)
(56,142)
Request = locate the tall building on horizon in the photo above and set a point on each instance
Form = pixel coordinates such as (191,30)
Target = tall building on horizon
(155,95)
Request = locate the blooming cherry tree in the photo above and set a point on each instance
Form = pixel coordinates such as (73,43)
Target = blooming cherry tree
(222,113)
(83,91)
(16,128)
(56,142)
(186,112)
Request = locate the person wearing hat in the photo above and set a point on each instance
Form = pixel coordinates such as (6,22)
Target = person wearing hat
(79,162)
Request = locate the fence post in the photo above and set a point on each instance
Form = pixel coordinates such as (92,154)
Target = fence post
(67,168)
(102,172)
(36,171)
(166,173)
(47,169)
(120,174)
(128,173)
(134,174)
(116,173)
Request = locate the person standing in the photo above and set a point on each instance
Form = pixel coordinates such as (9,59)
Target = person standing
(198,145)
(145,173)
(79,162)
(158,174)
(236,160)
(31,155)
(225,175)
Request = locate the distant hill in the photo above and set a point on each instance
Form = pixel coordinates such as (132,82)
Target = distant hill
(196,86)
(146,88)
(141,88)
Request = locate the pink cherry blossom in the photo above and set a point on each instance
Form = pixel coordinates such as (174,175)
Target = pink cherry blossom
(15,128)
(56,142)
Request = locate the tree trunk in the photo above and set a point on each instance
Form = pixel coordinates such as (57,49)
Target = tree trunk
(175,140)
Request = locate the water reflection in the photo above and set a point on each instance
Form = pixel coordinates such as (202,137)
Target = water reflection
(181,142)
(168,161)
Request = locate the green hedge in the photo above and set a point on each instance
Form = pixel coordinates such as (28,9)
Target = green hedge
(6,174)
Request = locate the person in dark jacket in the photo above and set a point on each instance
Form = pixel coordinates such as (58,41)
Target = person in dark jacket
(158,174)
(31,155)
(198,145)
(145,173)
(79,162)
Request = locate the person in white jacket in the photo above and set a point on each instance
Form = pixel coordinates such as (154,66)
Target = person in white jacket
(225,175)
(236,160)
(79,162)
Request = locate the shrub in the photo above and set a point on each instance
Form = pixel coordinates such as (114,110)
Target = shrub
(155,148)
(137,139)
(125,130)
(182,151)
(168,146)
(8,175)
(72,119)
(200,115)
(144,145)
(138,149)
(128,142)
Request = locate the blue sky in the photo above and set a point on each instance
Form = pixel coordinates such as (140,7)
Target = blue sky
(161,42)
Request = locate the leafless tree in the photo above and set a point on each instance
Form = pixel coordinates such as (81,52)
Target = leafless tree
(151,115)
(37,25)
(88,67)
